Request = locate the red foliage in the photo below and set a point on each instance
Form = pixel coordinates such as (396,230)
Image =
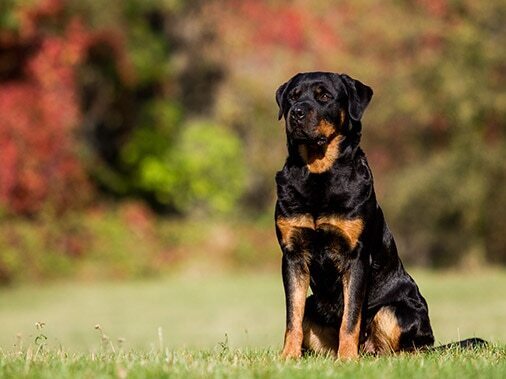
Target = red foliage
(436,8)
(273,25)
(38,118)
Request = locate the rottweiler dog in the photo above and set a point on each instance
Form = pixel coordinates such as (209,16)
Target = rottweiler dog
(333,234)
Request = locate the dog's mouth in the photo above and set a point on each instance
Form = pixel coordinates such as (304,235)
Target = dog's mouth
(316,148)
(318,135)
(314,141)
(321,141)
(320,153)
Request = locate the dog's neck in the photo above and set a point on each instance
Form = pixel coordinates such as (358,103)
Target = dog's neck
(320,159)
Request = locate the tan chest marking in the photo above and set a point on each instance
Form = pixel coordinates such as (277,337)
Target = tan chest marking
(326,128)
(351,229)
(289,226)
(320,159)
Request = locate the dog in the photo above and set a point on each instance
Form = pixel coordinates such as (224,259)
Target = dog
(333,234)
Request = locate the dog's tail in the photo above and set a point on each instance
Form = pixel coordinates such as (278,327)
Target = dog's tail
(469,343)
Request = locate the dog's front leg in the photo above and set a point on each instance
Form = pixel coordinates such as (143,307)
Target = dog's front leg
(294,236)
(296,283)
(353,297)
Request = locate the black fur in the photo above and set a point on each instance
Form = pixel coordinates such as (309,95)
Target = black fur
(344,190)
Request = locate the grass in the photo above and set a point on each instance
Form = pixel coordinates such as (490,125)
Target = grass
(224,363)
(224,326)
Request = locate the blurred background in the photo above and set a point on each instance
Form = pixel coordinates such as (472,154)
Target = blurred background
(139,138)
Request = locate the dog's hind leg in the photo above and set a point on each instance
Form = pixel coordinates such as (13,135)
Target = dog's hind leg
(397,328)
(384,333)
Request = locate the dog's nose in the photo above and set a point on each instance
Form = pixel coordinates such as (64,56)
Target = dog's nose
(298,113)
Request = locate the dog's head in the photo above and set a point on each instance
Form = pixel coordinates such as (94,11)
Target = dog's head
(318,106)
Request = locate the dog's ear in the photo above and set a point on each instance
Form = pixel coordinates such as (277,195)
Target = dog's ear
(280,96)
(359,96)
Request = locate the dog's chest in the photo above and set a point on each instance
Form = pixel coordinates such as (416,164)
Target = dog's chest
(317,195)
(321,211)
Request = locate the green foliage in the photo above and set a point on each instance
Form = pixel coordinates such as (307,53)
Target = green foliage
(157,153)
(35,250)
(150,142)
(210,168)
(449,202)
(8,17)
(447,208)
(129,243)
(203,170)
(148,52)
(82,245)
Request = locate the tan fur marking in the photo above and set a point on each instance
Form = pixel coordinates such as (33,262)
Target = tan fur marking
(294,336)
(385,333)
(326,128)
(320,159)
(319,338)
(352,229)
(348,340)
(289,225)
(343,117)
(292,348)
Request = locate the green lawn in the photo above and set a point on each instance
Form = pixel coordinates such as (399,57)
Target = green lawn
(225,326)
(224,363)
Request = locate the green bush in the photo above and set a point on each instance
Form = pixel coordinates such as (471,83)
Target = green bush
(204,170)
(448,208)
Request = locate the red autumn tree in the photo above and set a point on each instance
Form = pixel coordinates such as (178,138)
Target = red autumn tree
(40,110)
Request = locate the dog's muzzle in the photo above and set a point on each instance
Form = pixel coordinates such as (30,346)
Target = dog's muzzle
(303,129)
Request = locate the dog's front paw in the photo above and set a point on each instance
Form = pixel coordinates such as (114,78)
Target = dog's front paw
(348,351)
(292,348)
(290,352)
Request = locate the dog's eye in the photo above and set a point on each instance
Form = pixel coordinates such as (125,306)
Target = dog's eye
(294,95)
(324,97)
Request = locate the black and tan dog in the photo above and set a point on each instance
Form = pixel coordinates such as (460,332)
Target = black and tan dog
(333,234)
